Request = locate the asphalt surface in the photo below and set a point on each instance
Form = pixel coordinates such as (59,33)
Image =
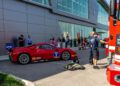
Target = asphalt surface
(41,70)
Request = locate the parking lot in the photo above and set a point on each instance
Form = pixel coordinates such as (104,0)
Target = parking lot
(53,73)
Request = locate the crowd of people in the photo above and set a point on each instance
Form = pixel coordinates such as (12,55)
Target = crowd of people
(61,42)
(93,42)
(21,41)
(65,42)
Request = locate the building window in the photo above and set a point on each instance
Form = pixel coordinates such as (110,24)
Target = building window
(43,2)
(75,30)
(102,15)
(103,33)
(74,7)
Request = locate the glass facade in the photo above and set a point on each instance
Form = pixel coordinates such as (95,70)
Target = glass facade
(75,30)
(75,7)
(43,2)
(102,15)
(103,33)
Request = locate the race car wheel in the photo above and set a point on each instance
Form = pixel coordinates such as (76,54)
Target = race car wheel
(24,58)
(66,55)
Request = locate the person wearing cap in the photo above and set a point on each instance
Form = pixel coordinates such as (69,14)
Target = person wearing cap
(94,48)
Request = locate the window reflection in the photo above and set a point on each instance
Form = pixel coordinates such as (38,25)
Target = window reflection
(43,2)
(102,15)
(75,30)
(75,7)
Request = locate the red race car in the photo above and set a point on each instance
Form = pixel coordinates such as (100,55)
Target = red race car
(41,51)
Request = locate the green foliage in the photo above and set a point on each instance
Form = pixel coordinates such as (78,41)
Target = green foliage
(9,80)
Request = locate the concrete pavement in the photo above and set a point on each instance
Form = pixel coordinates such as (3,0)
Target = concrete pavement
(88,77)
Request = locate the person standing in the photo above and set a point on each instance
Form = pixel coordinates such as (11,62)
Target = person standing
(90,45)
(29,40)
(15,41)
(21,41)
(67,41)
(63,41)
(50,41)
(53,41)
(59,42)
(94,52)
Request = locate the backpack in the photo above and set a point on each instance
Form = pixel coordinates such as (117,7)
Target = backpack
(74,66)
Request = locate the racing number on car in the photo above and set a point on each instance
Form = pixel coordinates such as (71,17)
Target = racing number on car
(56,54)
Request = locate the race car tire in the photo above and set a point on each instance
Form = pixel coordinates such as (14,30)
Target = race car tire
(65,55)
(24,58)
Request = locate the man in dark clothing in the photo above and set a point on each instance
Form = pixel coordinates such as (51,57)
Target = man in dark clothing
(94,49)
(15,41)
(67,41)
(21,41)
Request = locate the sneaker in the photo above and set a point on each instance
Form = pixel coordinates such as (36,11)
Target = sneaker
(90,63)
(96,67)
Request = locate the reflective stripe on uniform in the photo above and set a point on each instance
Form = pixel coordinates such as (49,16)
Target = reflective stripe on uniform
(111,47)
(106,46)
(117,57)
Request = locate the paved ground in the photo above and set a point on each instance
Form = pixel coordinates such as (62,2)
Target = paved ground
(53,73)
(89,77)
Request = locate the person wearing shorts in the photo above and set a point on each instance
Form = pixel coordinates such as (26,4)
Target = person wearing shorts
(91,49)
(95,49)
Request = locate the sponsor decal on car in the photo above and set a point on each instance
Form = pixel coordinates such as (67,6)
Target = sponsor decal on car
(33,58)
(39,58)
(36,58)
(56,54)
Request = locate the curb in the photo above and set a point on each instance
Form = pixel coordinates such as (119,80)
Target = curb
(4,58)
(28,83)
(25,82)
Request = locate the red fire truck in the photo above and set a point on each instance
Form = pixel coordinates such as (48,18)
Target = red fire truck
(113,70)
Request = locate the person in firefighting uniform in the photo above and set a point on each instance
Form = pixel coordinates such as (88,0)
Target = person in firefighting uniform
(94,49)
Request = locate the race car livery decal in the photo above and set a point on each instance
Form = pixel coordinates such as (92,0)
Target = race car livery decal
(56,54)
(36,58)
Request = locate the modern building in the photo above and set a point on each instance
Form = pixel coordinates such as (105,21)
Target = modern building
(44,19)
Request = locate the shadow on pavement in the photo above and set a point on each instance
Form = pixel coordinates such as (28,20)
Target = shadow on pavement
(84,56)
(40,70)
